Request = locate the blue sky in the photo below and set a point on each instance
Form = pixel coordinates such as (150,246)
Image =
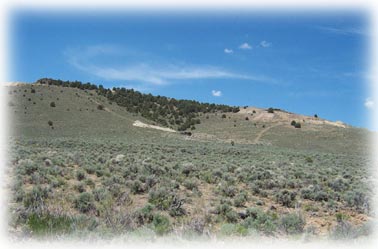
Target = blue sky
(302,62)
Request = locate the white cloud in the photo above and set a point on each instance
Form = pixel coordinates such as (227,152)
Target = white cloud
(228,51)
(158,72)
(369,103)
(216,93)
(245,46)
(343,30)
(265,44)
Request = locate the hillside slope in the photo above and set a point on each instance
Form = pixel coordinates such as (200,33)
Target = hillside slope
(85,113)
(106,170)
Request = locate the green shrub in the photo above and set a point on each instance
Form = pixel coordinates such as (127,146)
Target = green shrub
(292,223)
(35,199)
(80,187)
(136,187)
(80,175)
(309,160)
(297,125)
(161,198)
(144,215)
(100,194)
(191,184)
(227,190)
(358,200)
(286,198)
(260,221)
(161,224)
(240,199)
(27,167)
(52,104)
(226,213)
(84,202)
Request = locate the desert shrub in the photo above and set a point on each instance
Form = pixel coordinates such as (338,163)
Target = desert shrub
(80,175)
(345,230)
(260,221)
(293,123)
(286,198)
(80,187)
(35,199)
(52,104)
(292,223)
(32,90)
(90,183)
(161,224)
(150,181)
(188,168)
(136,187)
(227,190)
(100,107)
(176,207)
(90,169)
(320,196)
(339,184)
(270,110)
(100,194)
(240,199)
(358,200)
(309,160)
(209,177)
(144,215)
(161,198)
(226,213)
(224,116)
(191,184)
(297,125)
(27,167)
(84,202)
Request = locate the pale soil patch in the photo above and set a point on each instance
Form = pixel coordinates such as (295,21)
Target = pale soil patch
(14,84)
(286,117)
(138,123)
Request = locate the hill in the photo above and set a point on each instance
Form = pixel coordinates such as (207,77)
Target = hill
(84,156)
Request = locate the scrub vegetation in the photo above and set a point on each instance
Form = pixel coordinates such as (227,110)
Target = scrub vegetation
(79,167)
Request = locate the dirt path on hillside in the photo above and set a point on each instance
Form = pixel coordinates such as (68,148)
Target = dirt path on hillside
(261,133)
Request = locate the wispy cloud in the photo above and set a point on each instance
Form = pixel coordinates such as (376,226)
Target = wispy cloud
(343,30)
(265,44)
(228,51)
(160,73)
(245,46)
(216,93)
(369,103)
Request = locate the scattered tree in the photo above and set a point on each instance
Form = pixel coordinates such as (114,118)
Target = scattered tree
(270,110)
